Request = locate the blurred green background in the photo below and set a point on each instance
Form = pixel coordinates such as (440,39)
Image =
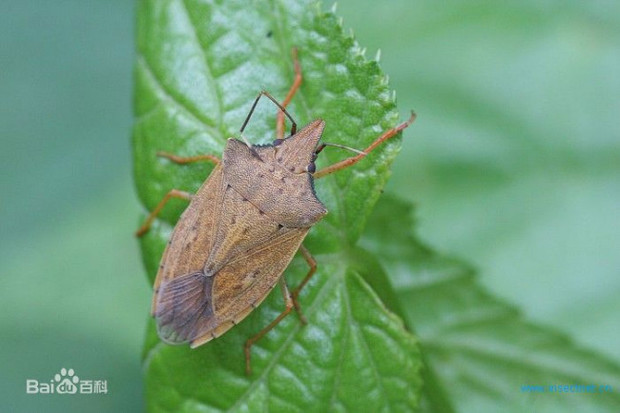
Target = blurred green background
(514,163)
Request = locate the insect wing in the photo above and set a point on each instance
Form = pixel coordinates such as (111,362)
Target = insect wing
(246,281)
(176,290)
(184,308)
(196,308)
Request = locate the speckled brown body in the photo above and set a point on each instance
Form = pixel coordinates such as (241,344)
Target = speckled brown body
(236,238)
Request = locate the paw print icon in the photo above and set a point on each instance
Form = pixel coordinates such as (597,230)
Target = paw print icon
(66,381)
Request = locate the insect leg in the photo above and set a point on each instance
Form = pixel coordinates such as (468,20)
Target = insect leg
(312,263)
(248,344)
(354,159)
(284,289)
(289,95)
(287,295)
(174,193)
(189,159)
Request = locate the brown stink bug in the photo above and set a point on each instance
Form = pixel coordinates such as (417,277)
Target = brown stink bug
(241,230)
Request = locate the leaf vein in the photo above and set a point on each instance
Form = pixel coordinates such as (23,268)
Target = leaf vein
(164,94)
(208,69)
(287,342)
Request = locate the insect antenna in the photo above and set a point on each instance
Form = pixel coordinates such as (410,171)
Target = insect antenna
(337,145)
(312,166)
(265,93)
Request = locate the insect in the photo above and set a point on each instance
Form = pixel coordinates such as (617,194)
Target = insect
(242,229)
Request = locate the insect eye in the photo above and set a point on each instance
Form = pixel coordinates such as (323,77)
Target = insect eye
(311,168)
(278,142)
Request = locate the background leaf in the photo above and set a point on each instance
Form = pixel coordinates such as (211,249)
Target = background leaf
(479,350)
(515,164)
(199,67)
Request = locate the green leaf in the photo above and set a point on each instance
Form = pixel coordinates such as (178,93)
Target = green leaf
(198,69)
(477,349)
